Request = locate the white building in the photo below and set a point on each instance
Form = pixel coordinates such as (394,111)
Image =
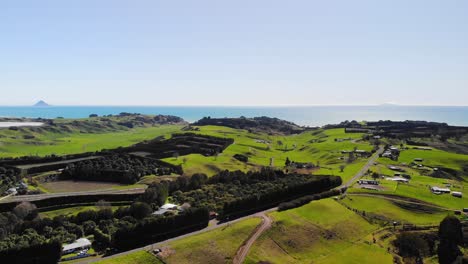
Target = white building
(80,244)
(438,190)
(166,208)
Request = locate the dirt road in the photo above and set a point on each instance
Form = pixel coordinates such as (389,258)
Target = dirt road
(245,248)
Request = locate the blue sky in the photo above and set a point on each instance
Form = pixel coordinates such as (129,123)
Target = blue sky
(243,52)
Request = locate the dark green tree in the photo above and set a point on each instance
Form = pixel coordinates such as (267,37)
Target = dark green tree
(451,236)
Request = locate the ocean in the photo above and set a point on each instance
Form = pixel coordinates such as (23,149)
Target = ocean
(302,115)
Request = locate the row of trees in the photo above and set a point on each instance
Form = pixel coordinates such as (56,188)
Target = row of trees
(121,168)
(254,203)
(152,230)
(309,198)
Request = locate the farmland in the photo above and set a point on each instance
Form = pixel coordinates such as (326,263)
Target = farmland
(225,173)
(324,231)
(217,246)
(141,257)
(48,143)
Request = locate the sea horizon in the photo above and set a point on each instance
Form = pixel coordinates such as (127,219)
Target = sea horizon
(310,115)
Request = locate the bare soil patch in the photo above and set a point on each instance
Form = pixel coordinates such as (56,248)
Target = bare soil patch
(77,186)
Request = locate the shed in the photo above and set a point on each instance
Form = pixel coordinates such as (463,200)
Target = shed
(80,244)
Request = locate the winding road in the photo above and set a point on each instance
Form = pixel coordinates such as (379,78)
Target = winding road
(245,248)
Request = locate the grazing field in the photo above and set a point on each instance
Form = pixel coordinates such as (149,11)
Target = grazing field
(321,147)
(140,257)
(72,142)
(394,211)
(323,231)
(216,246)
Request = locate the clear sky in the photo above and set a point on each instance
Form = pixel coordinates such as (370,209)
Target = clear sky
(240,52)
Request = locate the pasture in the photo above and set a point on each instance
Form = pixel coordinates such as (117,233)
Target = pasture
(322,147)
(216,246)
(323,231)
(139,257)
(13,144)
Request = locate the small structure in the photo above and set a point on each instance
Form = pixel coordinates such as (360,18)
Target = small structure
(80,244)
(166,208)
(213,215)
(438,190)
(418,159)
(457,194)
(369,182)
(12,191)
(399,179)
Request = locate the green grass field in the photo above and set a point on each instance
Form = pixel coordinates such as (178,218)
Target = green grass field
(315,147)
(70,211)
(323,232)
(140,257)
(13,145)
(393,212)
(216,246)
(421,179)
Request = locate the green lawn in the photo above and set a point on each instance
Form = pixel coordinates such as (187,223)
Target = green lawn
(323,231)
(12,145)
(216,246)
(140,257)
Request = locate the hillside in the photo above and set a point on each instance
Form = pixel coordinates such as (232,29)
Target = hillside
(257,124)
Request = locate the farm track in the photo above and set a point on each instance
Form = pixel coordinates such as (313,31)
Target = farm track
(214,224)
(245,248)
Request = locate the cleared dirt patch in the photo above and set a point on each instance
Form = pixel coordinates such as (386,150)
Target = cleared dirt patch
(77,186)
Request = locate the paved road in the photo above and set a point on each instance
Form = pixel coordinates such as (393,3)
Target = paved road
(364,169)
(214,224)
(244,249)
(32,198)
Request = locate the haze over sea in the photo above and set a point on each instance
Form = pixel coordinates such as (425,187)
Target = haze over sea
(302,115)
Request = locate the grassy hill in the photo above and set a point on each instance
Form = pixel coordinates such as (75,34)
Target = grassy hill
(321,147)
(217,246)
(140,257)
(322,231)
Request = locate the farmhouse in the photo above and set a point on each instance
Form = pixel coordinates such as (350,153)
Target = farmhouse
(80,244)
(438,190)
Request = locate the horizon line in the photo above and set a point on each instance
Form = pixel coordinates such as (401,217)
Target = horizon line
(233,105)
